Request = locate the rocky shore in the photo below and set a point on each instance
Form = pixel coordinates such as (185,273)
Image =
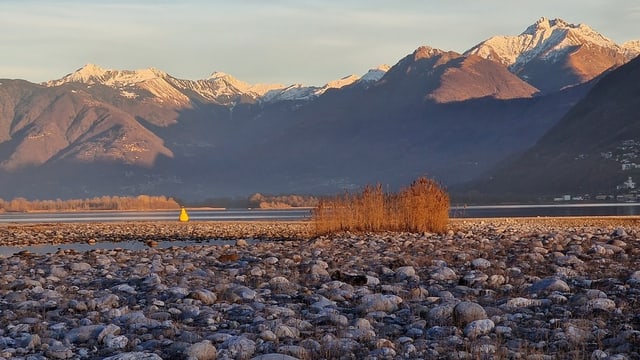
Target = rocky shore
(487,289)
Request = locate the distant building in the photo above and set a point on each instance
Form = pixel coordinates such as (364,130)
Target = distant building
(627,185)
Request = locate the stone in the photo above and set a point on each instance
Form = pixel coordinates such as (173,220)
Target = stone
(548,285)
(205,296)
(59,272)
(134,356)
(481,263)
(405,272)
(83,334)
(80,267)
(520,302)
(601,304)
(240,347)
(286,332)
(379,302)
(441,315)
(466,312)
(110,329)
(268,335)
(274,356)
(59,352)
(115,342)
(478,328)
(444,274)
(202,350)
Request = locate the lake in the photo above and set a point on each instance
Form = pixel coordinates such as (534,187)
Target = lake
(163,215)
(596,209)
(489,211)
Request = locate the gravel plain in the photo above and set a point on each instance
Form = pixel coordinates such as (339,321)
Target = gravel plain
(528,288)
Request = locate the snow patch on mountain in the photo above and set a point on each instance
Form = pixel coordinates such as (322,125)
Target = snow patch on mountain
(299,92)
(290,93)
(226,80)
(375,74)
(632,48)
(547,40)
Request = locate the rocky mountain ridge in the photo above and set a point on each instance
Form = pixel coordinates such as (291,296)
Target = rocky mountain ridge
(220,88)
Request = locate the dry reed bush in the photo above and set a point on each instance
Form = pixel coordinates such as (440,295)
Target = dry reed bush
(421,207)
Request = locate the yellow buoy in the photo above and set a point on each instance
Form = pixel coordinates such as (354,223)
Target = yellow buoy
(184,217)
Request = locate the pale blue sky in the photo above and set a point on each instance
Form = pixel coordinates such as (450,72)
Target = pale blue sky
(282,41)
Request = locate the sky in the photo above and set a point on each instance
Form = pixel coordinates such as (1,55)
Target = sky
(262,41)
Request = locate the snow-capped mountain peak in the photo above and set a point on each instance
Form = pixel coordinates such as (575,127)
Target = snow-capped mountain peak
(224,79)
(552,54)
(544,39)
(93,74)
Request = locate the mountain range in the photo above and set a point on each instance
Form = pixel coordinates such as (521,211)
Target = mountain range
(456,117)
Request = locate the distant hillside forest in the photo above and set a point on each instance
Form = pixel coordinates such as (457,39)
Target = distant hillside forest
(282,201)
(141,202)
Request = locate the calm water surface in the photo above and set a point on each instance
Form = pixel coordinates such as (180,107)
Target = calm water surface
(170,215)
(614,209)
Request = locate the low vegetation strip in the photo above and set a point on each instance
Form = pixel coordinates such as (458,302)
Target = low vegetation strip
(141,202)
(421,207)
